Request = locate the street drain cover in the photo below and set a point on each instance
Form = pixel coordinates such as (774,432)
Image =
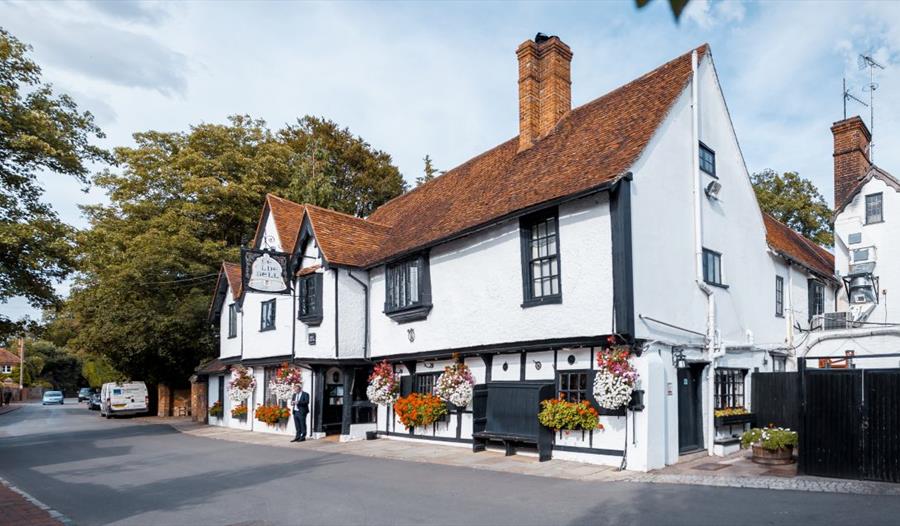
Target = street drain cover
(711,466)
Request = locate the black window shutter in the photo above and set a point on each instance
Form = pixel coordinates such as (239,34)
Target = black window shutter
(811,298)
(406,385)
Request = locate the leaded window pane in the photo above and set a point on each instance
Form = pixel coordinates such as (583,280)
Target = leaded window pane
(874,208)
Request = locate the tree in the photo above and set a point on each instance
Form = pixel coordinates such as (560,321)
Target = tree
(430,172)
(180,204)
(39,132)
(796,202)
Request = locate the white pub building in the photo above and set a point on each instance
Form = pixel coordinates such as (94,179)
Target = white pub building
(627,222)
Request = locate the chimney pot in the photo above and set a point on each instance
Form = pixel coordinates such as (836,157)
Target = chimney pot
(545,86)
(851,156)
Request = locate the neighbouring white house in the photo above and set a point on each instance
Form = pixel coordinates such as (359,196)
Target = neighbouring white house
(867,260)
(627,222)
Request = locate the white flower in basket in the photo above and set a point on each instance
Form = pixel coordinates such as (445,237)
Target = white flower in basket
(242,384)
(615,379)
(455,385)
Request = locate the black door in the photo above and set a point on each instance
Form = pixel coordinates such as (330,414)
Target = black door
(690,434)
(333,410)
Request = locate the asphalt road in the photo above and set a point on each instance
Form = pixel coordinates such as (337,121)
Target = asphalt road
(98,471)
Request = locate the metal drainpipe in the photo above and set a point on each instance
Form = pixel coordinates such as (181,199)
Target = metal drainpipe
(366,333)
(698,259)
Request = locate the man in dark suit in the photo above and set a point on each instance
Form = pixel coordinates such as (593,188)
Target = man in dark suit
(299,408)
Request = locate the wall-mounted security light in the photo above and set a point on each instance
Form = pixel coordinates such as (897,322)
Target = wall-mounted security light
(713,189)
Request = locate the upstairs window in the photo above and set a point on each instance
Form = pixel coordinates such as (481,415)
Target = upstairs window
(6,368)
(309,299)
(779,296)
(267,315)
(712,267)
(816,292)
(540,259)
(408,290)
(707,160)
(729,388)
(874,210)
(232,320)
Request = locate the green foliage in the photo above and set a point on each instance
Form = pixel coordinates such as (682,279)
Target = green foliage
(430,172)
(559,414)
(97,371)
(796,202)
(771,438)
(40,132)
(182,203)
(47,365)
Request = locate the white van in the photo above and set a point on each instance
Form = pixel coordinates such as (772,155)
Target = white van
(125,398)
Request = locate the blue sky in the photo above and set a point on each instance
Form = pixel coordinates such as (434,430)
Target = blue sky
(439,78)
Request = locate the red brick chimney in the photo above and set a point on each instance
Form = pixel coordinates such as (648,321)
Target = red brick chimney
(851,155)
(545,86)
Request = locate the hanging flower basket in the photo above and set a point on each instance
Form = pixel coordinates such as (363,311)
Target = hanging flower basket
(241,385)
(384,387)
(615,378)
(455,385)
(282,384)
(418,410)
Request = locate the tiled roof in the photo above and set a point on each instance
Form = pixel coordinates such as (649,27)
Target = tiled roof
(233,274)
(786,241)
(213,366)
(287,216)
(8,358)
(348,240)
(305,271)
(591,146)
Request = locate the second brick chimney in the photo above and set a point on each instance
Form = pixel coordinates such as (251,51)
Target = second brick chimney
(851,155)
(545,86)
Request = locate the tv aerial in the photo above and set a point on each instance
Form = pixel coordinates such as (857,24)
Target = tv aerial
(866,61)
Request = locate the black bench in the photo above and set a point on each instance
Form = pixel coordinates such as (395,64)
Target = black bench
(506,412)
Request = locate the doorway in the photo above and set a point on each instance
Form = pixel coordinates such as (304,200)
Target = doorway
(333,410)
(690,411)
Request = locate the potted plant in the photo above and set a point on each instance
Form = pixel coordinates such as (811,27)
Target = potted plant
(455,385)
(239,412)
(419,410)
(770,445)
(384,387)
(216,410)
(732,416)
(615,378)
(561,415)
(272,414)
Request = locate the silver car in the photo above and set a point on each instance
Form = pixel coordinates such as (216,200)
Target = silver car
(52,397)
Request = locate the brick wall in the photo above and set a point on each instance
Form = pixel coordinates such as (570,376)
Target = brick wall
(199,402)
(851,156)
(545,87)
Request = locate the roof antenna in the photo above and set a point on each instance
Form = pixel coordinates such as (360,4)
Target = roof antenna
(850,96)
(866,61)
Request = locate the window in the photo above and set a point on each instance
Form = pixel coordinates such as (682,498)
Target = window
(267,315)
(268,396)
(729,388)
(855,238)
(232,320)
(6,369)
(707,160)
(779,296)
(408,290)
(573,386)
(425,382)
(874,211)
(816,291)
(309,298)
(540,259)
(712,267)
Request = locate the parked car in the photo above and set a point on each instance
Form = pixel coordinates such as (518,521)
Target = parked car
(84,394)
(94,401)
(52,397)
(123,398)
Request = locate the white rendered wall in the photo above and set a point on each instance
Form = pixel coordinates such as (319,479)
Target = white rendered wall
(324,346)
(476,287)
(885,236)
(352,314)
(229,347)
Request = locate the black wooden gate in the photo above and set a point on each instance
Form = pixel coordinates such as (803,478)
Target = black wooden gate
(850,423)
(775,399)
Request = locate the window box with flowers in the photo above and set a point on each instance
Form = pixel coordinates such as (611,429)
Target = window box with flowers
(732,416)
(561,416)
(216,410)
(272,414)
(239,412)
(419,410)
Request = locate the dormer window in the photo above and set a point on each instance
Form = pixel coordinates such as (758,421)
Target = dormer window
(309,299)
(408,290)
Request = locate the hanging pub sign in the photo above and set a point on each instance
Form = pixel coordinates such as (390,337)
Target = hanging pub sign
(265,271)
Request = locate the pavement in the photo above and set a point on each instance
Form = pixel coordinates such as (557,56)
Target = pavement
(133,471)
(734,471)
